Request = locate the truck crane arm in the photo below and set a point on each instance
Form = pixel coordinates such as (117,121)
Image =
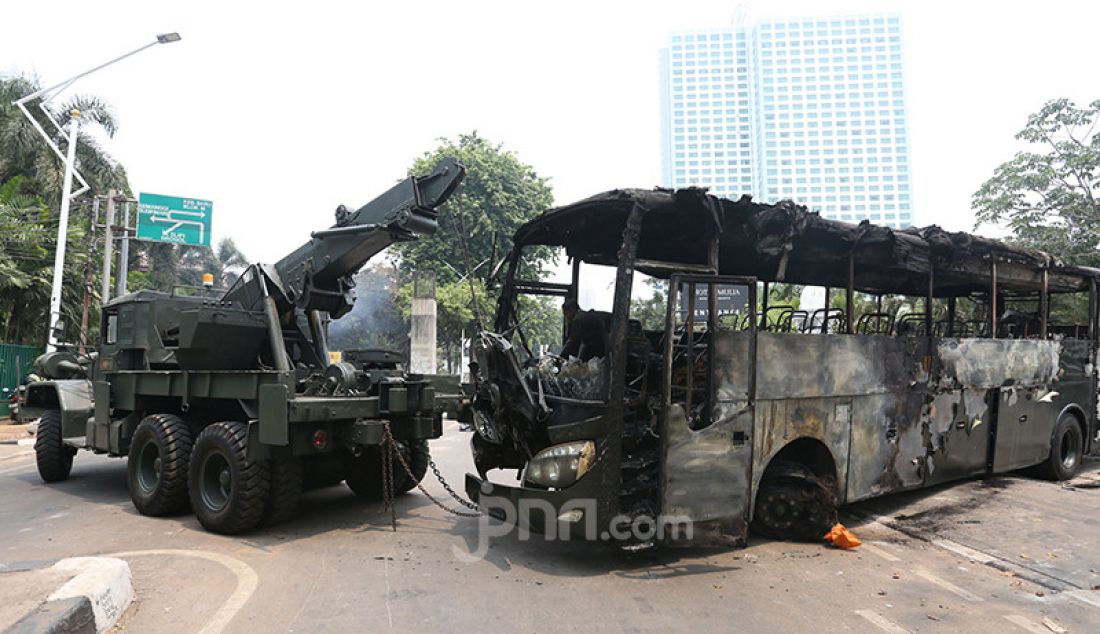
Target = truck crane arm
(317,276)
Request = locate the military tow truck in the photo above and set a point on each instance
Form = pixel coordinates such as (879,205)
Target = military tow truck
(229,404)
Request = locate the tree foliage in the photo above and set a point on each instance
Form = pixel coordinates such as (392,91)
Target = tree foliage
(162,266)
(1047,194)
(24,153)
(498,194)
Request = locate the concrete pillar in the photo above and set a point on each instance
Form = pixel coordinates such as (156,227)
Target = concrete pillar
(422,357)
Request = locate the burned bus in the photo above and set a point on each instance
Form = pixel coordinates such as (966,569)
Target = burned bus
(935,356)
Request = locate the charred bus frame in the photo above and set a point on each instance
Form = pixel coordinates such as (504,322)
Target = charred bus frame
(761,421)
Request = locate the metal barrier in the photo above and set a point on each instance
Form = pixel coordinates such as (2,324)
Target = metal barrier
(15,363)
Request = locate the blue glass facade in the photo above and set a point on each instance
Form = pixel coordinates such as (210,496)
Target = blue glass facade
(810,109)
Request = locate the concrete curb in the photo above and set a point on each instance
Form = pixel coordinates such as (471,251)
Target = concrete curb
(91,601)
(25,442)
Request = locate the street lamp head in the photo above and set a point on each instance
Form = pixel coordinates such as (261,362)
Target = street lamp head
(168,38)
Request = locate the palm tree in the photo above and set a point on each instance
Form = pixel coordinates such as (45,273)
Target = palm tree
(23,153)
(30,192)
(225,262)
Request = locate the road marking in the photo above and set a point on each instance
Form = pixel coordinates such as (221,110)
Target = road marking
(964,551)
(883,623)
(947,585)
(246,582)
(1030,626)
(1088,597)
(881,552)
(386,571)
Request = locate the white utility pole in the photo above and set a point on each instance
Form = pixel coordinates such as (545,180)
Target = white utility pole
(62,234)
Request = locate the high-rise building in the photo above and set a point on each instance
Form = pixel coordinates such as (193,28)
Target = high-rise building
(811,110)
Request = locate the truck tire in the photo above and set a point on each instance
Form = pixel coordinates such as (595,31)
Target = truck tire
(228,491)
(793,504)
(54,458)
(286,489)
(365,472)
(1067,446)
(157,464)
(323,471)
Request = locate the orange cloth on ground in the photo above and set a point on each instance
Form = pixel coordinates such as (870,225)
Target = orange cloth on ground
(842,537)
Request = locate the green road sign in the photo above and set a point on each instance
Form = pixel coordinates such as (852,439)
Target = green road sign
(176,220)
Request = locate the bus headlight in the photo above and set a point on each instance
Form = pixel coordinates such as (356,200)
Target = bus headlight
(561,465)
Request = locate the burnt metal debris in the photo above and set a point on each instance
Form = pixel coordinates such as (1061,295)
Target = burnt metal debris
(705,418)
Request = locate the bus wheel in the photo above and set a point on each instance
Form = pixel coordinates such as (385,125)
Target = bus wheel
(793,504)
(157,464)
(1066,450)
(54,458)
(228,490)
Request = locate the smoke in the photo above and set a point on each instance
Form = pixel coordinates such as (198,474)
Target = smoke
(374,321)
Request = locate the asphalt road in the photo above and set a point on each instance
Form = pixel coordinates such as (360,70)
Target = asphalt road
(1001,555)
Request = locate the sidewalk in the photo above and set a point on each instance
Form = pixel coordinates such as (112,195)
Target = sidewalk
(80,594)
(11,434)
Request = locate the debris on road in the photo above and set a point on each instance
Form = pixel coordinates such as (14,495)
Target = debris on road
(1054,627)
(841,537)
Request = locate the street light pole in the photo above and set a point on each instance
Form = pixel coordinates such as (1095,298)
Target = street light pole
(70,171)
(62,235)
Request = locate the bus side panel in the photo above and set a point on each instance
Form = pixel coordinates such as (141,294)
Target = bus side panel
(959,423)
(1028,413)
(780,421)
(887,446)
(707,471)
(1021,374)
(860,395)
(993,363)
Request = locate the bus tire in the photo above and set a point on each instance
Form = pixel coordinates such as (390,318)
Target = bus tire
(793,504)
(229,491)
(53,457)
(157,464)
(1067,446)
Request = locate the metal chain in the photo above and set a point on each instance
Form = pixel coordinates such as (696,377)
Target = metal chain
(456,497)
(389,444)
(389,448)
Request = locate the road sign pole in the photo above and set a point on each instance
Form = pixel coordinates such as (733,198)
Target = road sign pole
(62,234)
(108,248)
(123,253)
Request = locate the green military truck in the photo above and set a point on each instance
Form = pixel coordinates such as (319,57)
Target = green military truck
(229,403)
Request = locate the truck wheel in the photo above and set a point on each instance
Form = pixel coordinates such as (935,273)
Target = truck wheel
(323,471)
(365,472)
(54,458)
(1066,450)
(228,491)
(793,504)
(286,488)
(157,464)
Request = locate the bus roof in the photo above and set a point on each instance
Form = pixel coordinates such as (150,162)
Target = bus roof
(785,242)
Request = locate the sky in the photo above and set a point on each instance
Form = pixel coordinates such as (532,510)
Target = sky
(278,115)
